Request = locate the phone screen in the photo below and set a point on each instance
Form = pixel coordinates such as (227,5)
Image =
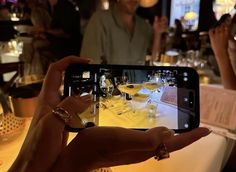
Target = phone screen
(137,97)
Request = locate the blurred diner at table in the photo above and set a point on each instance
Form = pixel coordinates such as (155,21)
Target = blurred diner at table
(119,36)
(224,47)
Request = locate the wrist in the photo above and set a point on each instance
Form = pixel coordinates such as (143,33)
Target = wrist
(157,35)
(221,55)
(223,60)
(18,166)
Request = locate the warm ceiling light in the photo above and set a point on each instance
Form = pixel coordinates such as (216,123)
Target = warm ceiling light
(147,3)
(190,15)
(225,2)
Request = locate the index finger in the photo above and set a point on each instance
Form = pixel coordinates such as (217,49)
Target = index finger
(117,139)
(53,77)
(185,139)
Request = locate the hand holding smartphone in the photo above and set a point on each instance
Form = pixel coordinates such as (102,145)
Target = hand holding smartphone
(136,97)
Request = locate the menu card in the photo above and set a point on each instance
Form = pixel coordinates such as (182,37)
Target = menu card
(218,107)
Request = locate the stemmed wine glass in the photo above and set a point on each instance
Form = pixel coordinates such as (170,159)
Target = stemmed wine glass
(107,88)
(153,85)
(123,80)
(130,90)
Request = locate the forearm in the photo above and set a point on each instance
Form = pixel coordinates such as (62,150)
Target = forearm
(58,33)
(16,166)
(156,47)
(227,74)
(72,164)
(20,166)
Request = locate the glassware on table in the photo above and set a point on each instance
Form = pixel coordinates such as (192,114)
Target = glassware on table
(152,86)
(122,81)
(130,89)
(152,109)
(109,87)
(106,87)
(152,104)
(154,83)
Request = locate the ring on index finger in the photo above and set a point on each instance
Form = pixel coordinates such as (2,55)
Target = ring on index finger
(62,114)
(71,121)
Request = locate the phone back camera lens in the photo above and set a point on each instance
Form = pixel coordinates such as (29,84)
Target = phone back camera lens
(185,79)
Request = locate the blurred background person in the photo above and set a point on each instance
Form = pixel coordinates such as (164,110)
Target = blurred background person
(224,47)
(64,34)
(87,8)
(56,32)
(7,31)
(119,36)
(35,62)
(178,41)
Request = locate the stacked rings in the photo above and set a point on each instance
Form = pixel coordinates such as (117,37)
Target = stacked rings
(62,114)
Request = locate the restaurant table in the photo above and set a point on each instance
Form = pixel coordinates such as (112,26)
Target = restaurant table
(8,57)
(206,155)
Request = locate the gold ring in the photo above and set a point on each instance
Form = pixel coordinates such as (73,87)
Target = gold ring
(62,114)
(162,152)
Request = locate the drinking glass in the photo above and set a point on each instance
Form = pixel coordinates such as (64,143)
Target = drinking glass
(152,109)
(109,88)
(131,90)
(152,86)
(106,86)
(121,84)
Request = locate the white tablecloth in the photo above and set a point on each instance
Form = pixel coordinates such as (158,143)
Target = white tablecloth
(9,58)
(205,155)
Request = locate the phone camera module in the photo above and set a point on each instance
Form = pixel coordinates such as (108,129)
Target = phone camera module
(186,125)
(185,74)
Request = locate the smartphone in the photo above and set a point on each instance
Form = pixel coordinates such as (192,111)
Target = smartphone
(136,97)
